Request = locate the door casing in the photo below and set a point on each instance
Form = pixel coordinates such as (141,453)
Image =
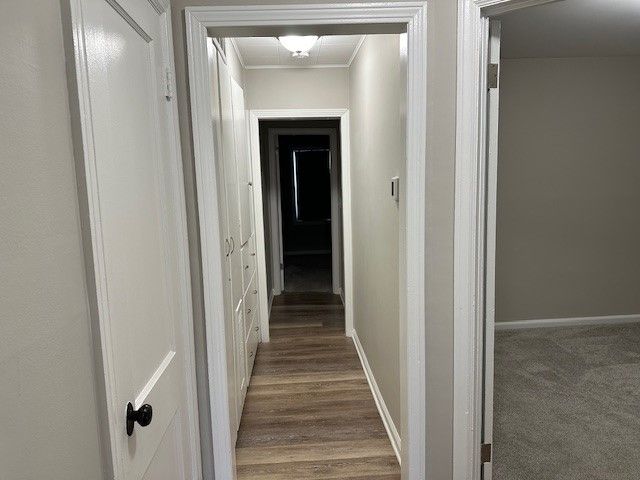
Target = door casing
(344,238)
(340,17)
(470,228)
(276,229)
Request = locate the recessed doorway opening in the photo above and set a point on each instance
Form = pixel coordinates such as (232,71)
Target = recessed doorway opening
(221,23)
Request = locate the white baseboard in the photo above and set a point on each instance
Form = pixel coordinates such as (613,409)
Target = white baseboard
(392,431)
(341,293)
(568,322)
(271,302)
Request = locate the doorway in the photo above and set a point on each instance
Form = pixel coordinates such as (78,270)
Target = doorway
(552,163)
(303,200)
(411,19)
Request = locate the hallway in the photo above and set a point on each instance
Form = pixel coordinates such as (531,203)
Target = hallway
(309,412)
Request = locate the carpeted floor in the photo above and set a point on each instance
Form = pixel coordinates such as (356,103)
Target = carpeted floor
(567,404)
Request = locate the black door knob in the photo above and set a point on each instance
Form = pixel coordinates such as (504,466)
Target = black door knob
(143,416)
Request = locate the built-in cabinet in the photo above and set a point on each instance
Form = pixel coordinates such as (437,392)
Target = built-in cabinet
(229,120)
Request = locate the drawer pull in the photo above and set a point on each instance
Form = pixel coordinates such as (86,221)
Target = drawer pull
(255,292)
(250,354)
(253,254)
(257,328)
(248,310)
(246,267)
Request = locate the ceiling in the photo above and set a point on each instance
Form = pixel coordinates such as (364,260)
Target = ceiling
(267,52)
(573,28)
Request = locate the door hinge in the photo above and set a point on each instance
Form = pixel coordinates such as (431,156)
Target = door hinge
(168,91)
(282,266)
(492,75)
(485,453)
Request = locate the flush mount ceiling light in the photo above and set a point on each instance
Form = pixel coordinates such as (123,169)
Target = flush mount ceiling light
(299,46)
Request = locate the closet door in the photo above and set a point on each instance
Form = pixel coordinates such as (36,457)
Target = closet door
(231,180)
(244,162)
(230,337)
(233,220)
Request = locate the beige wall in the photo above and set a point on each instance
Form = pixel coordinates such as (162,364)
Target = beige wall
(377,154)
(297,88)
(54,359)
(568,195)
(440,138)
(48,419)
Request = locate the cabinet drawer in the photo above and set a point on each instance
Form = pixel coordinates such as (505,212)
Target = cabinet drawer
(251,304)
(248,262)
(251,345)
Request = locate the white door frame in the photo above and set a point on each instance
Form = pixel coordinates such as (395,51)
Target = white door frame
(275,214)
(254,128)
(470,227)
(110,420)
(409,15)
(275,195)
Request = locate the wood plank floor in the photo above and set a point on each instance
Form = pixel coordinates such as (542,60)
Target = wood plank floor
(309,413)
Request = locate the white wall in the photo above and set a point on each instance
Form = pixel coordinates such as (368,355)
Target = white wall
(48,425)
(376,85)
(568,233)
(297,88)
(235,65)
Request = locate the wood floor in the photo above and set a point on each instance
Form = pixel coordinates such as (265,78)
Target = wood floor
(309,413)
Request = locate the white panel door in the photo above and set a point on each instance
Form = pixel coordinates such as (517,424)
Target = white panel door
(233,220)
(492,184)
(229,327)
(136,219)
(231,179)
(244,162)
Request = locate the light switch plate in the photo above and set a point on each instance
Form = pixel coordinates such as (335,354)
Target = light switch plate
(395,189)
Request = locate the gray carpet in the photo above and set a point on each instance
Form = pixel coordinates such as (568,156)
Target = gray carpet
(567,404)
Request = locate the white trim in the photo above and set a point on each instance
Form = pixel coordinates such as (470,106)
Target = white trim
(568,322)
(258,218)
(232,41)
(492,55)
(336,194)
(347,224)
(95,263)
(276,206)
(270,306)
(292,114)
(270,67)
(356,50)
(411,14)
(389,425)
(469,228)
(498,7)
(298,113)
(274,216)
(210,240)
